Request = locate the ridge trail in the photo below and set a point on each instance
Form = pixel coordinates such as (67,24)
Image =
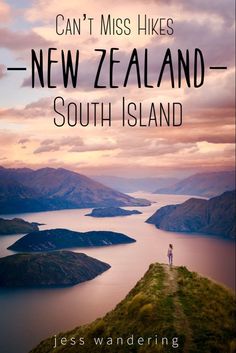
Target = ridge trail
(181,322)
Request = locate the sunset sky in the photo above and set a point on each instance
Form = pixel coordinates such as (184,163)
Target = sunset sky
(29,138)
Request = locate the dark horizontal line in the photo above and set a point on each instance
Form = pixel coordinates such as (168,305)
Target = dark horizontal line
(218,67)
(16,68)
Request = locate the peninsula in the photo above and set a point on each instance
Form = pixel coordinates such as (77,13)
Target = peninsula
(16,226)
(213,217)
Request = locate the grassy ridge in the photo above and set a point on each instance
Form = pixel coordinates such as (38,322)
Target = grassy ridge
(211,313)
(167,303)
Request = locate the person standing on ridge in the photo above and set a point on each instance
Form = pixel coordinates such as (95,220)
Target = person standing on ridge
(170,254)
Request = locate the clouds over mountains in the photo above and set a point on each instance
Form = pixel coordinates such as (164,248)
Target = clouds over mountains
(206,138)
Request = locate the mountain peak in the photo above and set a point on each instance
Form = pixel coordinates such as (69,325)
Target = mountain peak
(203,184)
(53,189)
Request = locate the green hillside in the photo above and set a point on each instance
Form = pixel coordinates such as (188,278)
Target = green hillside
(16,226)
(191,313)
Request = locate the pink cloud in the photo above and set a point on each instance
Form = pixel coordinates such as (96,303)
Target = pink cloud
(23,141)
(21,40)
(5,12)
(2,71)
(50,145)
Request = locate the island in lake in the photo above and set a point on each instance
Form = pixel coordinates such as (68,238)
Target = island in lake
(167,302)
(54,239)
(111,212)
(16,226)
(58,268)
(214,217)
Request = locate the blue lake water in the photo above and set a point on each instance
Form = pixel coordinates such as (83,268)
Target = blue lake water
(28,316)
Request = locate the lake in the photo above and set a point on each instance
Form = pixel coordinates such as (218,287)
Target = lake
(28,316)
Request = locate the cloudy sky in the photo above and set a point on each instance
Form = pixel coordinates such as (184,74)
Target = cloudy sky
(205,141)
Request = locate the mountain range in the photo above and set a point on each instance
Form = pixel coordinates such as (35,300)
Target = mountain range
(27,190)
(215,216)
(202,184)
(129,185)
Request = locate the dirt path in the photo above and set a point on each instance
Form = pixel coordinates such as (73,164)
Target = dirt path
(181,321)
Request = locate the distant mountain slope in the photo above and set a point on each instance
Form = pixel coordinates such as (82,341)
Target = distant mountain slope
(215,216)
(202,184)
(26,190)
(58,268)
(16,226)
(16,197)
(169,310)
(54,239)
(123,184)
